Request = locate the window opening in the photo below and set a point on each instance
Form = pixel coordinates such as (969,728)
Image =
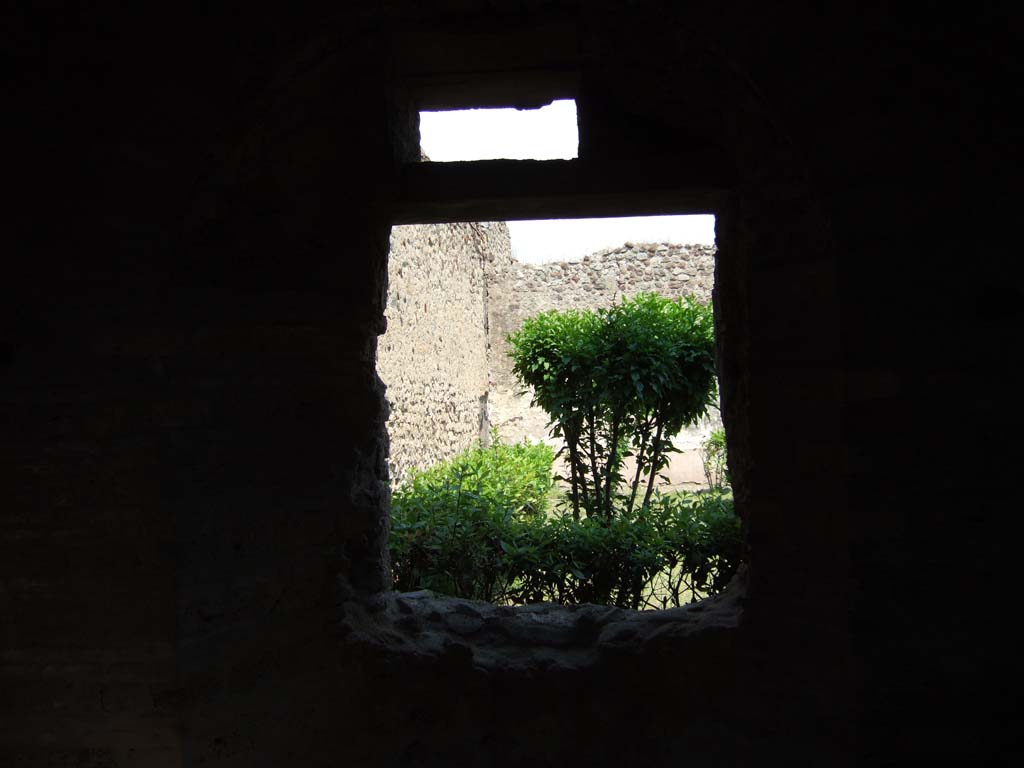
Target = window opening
(542,463)
(474,514)
(547,133)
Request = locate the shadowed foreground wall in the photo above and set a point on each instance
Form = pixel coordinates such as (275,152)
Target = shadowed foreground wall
(192,565)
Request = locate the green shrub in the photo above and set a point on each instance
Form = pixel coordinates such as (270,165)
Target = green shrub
(475,527)
(503,476)
(569,561)
(618,382)
(715,460)
(703,545)
(447,521)
(682,547)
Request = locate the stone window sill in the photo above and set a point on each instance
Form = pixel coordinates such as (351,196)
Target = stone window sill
(544,636)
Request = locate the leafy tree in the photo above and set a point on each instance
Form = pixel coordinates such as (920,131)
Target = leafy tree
(615,383)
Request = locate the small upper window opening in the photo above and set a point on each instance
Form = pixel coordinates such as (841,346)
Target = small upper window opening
(548,133)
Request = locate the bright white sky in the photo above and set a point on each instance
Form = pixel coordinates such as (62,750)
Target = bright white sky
(548,133)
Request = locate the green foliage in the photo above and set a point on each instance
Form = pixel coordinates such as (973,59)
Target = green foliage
(514,477)
(452,532)
(683,547)
(715,460)
(447,521)
(618,382)
(615,383)
(703,543)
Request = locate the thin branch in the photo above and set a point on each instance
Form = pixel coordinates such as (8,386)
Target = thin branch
(655,458)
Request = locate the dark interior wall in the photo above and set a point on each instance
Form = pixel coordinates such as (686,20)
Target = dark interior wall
(188,387)
(192,422)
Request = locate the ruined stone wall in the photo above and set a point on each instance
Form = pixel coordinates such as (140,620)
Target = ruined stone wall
(598,280)
(434,356)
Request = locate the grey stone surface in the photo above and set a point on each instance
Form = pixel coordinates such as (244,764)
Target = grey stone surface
(538,636)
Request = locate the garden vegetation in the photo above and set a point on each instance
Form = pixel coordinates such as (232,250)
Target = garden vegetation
(492,523)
